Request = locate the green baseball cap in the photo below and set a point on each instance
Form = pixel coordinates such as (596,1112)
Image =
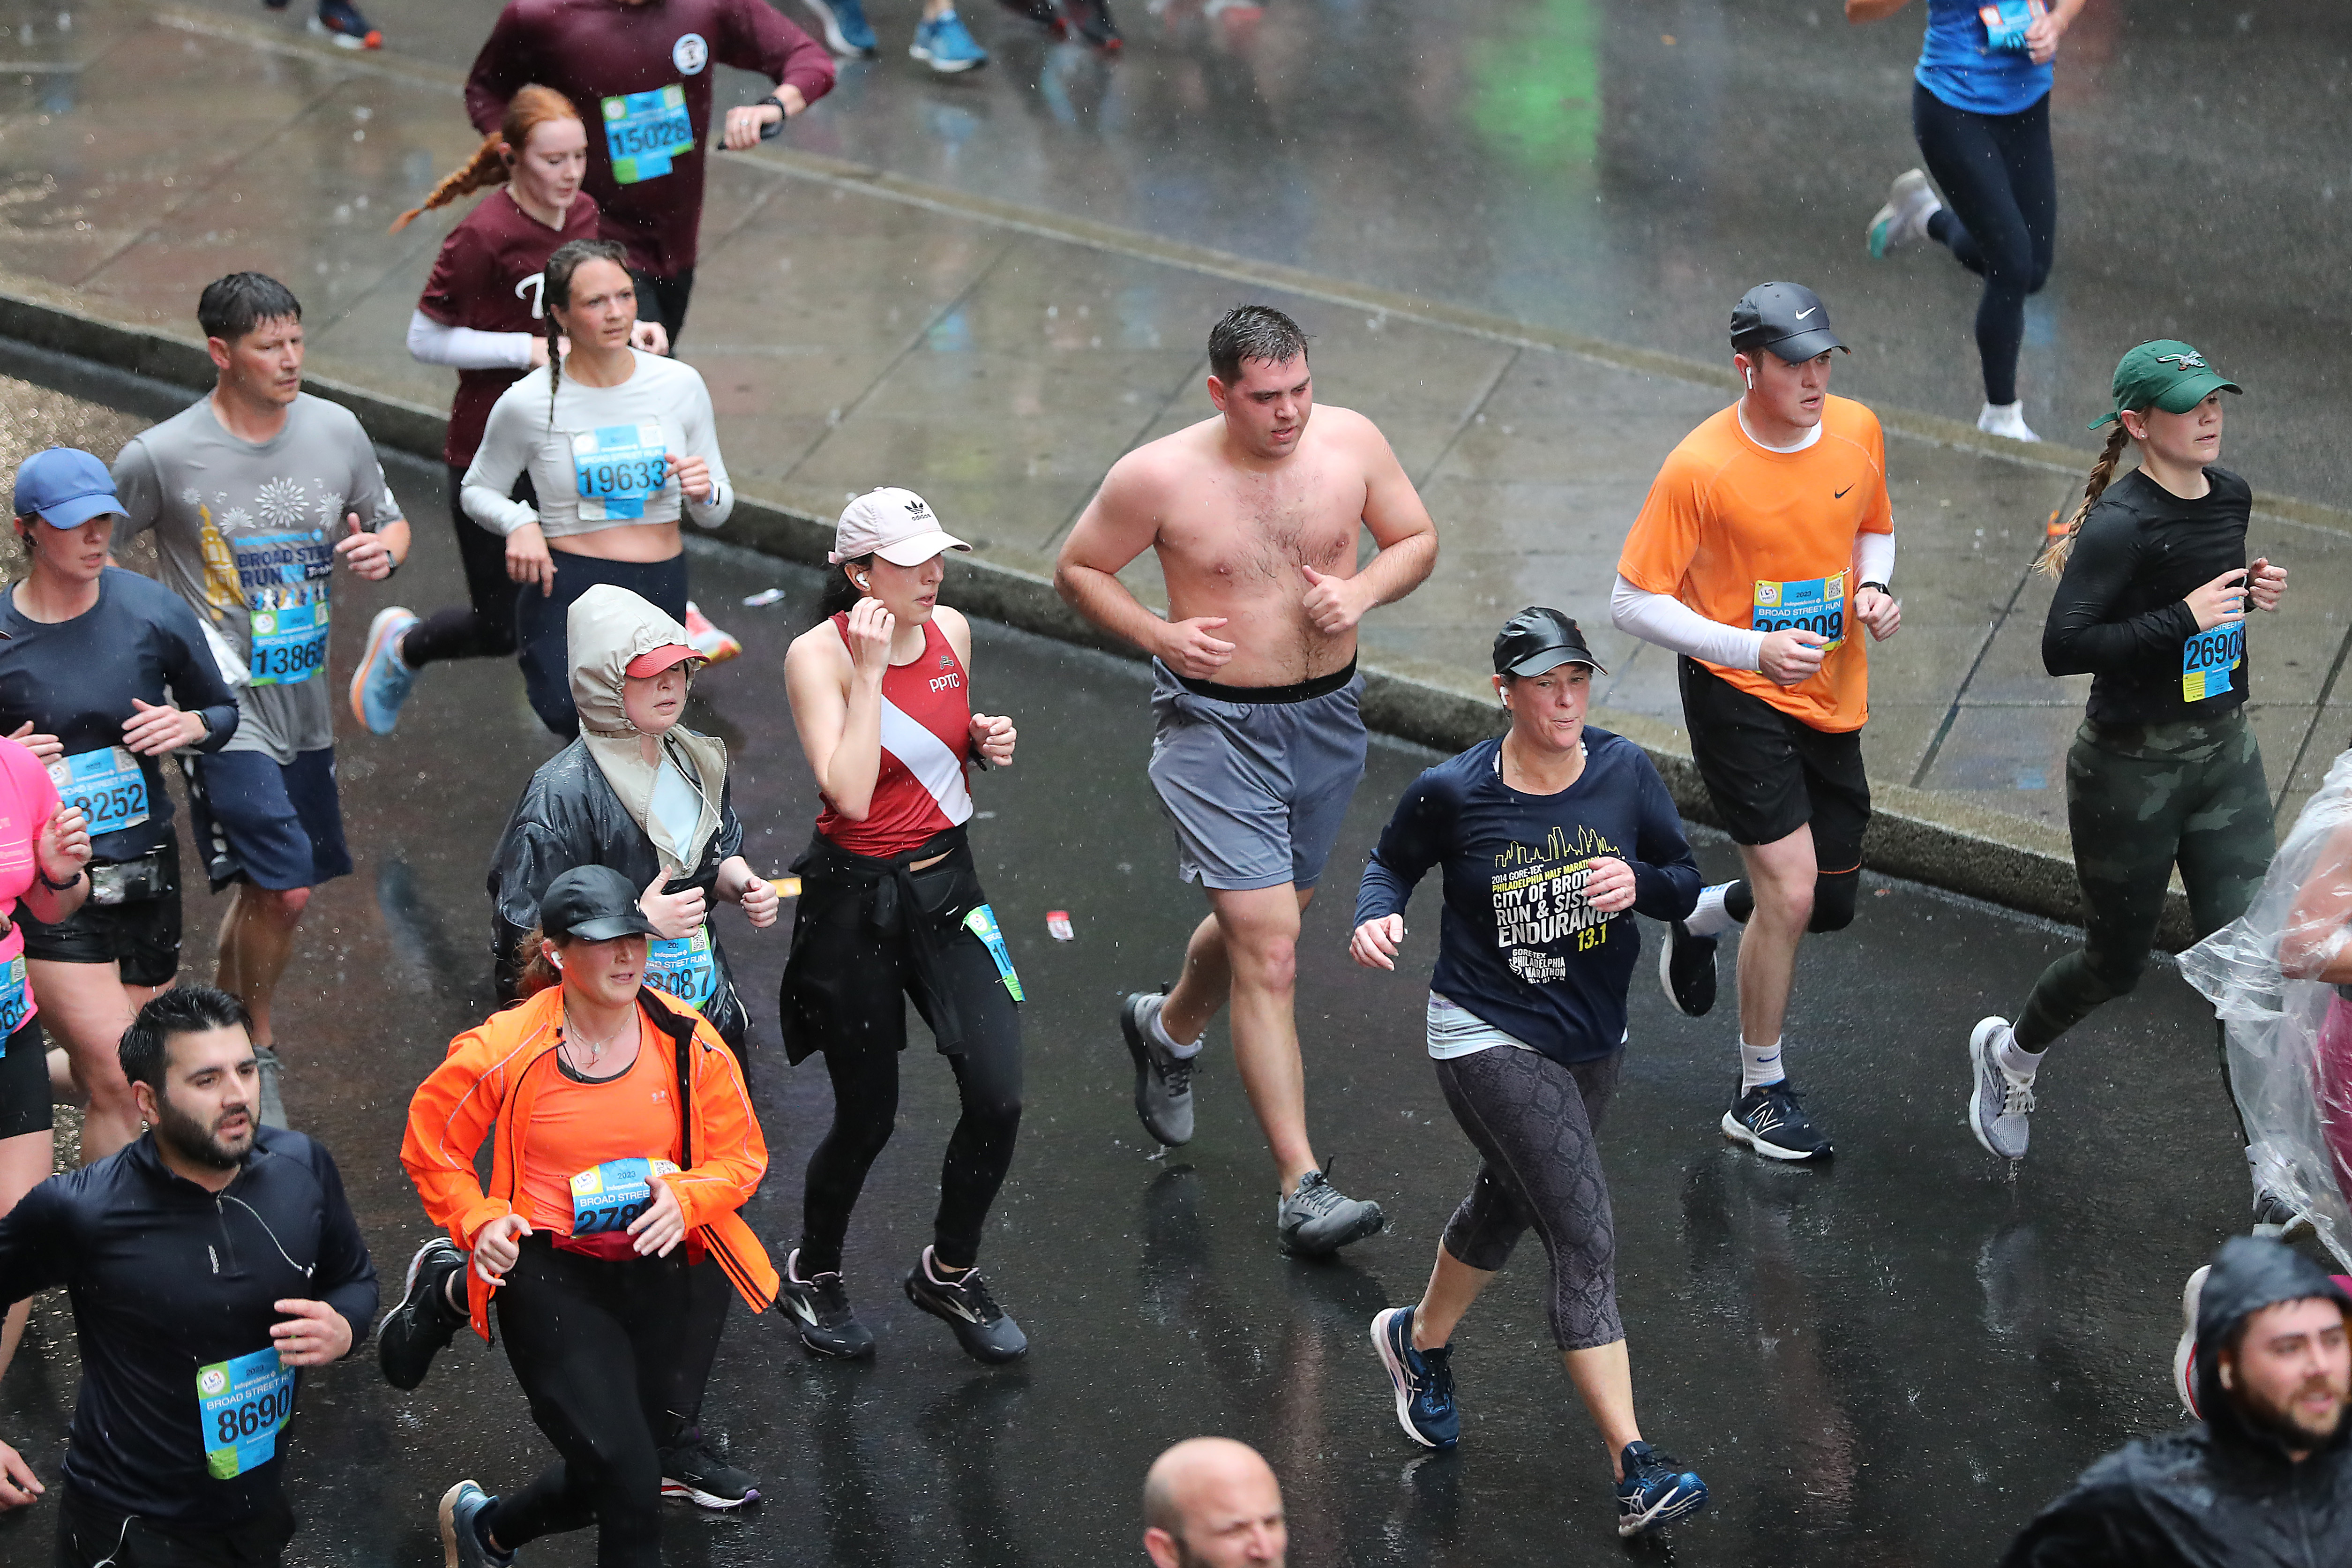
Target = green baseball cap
(2167,374)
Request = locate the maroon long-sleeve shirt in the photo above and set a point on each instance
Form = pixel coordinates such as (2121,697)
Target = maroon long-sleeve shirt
(640,74)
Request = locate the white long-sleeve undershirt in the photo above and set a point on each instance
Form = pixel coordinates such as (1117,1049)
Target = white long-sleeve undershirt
(462,348)
(1665,620)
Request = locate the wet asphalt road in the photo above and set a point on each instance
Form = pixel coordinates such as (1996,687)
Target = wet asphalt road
(1892,1360)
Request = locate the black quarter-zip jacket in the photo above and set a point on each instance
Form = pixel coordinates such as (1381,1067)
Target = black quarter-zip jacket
(166,1277)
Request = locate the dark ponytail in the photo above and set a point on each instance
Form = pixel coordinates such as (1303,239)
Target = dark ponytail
(533,972)
(555,290)
(841,590)
(2103,472)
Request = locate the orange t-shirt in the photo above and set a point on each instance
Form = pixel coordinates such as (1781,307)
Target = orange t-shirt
(576,1126)
(1761,538)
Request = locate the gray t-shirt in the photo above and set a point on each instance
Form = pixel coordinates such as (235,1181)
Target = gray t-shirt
(246,534)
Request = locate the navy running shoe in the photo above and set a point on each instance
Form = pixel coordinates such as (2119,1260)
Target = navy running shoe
(985,1330)
(344,28)
(1771,1120)
(1423,1381)
(1656,1491)
(424,1323)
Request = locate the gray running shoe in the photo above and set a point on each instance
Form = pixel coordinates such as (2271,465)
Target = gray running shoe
(265,1070)
(1317,1221)
(1163,1081)
(2277,1220)
(1998,1102)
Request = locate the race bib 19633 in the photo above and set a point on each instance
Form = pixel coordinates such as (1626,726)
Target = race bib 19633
(617,468)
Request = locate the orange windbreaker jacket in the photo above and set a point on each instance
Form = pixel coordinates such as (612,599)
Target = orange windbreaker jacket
(493,1075)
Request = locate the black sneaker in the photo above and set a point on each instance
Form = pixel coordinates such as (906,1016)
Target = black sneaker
(1687,970)
(1772,1122)
(1045,13)
(693,1472)
(984,1330)
(414,1332)
(2277,1220)
(821,1312)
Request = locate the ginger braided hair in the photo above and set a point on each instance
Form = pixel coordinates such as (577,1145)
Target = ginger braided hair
(531,106)
(2103,472)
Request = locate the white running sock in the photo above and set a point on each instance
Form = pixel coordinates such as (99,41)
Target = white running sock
(1177,1048)
(1710,918)
(1759,1065)
(2015,1060)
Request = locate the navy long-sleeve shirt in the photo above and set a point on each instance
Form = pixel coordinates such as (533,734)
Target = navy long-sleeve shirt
(168,1280)
(2119,615)
(75,680)
(1518,946)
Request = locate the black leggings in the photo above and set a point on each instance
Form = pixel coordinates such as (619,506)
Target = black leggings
(483,628)
(664,299)
(1533,1121)
(2001,184)
(604,1351)
(539,624)
(863,1042)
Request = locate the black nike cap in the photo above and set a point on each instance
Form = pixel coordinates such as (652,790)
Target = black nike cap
(593,903)
(1788,318)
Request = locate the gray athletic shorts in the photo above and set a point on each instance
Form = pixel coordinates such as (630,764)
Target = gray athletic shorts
(1258,789)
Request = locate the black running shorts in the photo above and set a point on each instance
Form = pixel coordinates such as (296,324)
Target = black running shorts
(1768,774)
(142,935)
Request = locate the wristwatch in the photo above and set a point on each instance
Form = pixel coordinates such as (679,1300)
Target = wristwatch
(1880,586)
(775,127)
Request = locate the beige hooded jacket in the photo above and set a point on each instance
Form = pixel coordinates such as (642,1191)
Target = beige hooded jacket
(608,627)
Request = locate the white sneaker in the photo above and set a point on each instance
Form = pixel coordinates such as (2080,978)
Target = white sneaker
(2000,1104)
(1910,202)
(2184,1354)
(2006,419)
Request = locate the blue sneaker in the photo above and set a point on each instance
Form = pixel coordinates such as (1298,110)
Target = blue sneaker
(1656,1491)
(462,1545)
(1423,1381)
(947,46)
(844,28)
(382,681)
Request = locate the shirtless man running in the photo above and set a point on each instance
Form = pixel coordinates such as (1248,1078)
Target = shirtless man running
(1259,744)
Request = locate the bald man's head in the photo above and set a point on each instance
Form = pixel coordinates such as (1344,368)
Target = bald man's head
(1211,1502)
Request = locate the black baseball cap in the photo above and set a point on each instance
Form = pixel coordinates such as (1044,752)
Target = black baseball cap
(593,903)
(1787,319)
(1538,639)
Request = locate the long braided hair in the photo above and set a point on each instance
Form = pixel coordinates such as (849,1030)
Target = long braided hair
(555,293)
(492,164)
(2103,472)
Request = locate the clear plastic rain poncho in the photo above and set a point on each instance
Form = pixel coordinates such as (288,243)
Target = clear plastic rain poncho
(2290,1040)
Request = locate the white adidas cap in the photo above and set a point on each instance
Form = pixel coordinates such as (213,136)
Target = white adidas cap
(895,525)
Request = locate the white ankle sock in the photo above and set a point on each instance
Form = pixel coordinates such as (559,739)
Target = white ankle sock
(2014,1059)
(1759,1065)
(1710,918)
(1177,1048)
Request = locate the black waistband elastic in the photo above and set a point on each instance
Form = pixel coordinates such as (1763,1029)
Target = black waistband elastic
(1321,685)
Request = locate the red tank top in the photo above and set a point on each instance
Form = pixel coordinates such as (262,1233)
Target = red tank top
(926,741)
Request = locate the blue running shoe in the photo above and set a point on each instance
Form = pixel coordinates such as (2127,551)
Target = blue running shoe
(340,21)
(844,24)
(1423,1381)
(383,681)
(947,46)
(1656,1491)
(462,1545)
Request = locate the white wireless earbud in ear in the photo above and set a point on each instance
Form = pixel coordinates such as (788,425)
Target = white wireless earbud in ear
(1751,378)
(865,583)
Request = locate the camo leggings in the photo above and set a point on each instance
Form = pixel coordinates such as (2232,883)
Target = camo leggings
(2138,798)
(1533,1120)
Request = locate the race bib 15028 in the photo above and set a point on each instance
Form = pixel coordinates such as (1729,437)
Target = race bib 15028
(644,130)
(1817,604)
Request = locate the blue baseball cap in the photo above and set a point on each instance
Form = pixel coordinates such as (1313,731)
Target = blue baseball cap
(66,488)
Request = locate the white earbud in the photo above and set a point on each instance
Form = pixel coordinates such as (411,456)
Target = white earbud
(1751,378)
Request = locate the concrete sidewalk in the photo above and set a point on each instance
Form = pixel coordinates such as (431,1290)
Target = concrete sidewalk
(858,329)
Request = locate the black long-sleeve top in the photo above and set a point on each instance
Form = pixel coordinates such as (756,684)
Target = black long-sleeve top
(1518,947)
(75,680)
(168,1280)
(2119,614)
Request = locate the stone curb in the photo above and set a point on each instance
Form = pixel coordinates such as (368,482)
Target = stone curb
(1914,833)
